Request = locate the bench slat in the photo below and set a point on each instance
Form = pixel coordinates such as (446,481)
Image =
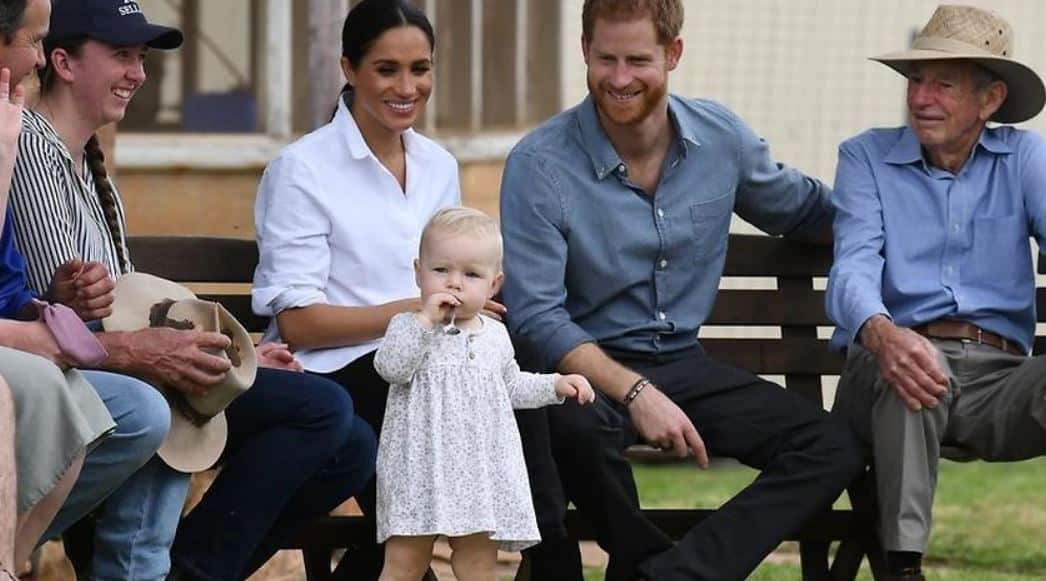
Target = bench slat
(803,356)
(769,307)
(197,258)
(239,306)
(752,255)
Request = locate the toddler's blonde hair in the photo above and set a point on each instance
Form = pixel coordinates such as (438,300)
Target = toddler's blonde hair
(461,220)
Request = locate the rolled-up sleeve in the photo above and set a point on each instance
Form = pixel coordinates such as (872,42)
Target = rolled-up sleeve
(855,282)
(533,217)
(777,198)
(293,230)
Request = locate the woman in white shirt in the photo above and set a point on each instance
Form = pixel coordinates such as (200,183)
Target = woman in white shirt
(339,215)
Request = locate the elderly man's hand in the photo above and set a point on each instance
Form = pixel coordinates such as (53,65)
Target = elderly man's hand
(661,423)
(907,362)
(184,360)
(84,287)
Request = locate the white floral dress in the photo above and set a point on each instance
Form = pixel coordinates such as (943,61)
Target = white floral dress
(450,461)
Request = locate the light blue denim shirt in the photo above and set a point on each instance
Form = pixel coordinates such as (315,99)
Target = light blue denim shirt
(917,243)
(590,257)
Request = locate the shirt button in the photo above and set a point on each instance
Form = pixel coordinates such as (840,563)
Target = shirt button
(956,227)
(661,315)
(663,263)
(621,168)
(660,213)
(472,355)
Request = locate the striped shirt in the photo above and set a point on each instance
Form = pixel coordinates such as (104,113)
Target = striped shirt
(56,211)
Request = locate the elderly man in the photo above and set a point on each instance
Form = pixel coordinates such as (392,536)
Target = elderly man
(615,217)
(932,288)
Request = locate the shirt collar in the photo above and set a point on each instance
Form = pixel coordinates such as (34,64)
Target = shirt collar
(908,150)
(684,128)
(38,124)
(601,152)
(597,145)
(358,147)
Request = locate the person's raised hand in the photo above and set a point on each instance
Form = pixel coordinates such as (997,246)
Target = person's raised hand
(12,101)
(437,307)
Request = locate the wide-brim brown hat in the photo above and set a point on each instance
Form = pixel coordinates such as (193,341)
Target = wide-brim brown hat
(198,426)
(983,37)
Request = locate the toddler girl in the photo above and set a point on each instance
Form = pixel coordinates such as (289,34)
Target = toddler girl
(450,460)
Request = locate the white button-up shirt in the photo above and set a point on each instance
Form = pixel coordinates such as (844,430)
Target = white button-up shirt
(334,226)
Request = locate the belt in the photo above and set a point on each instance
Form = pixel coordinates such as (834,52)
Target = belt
(950,329)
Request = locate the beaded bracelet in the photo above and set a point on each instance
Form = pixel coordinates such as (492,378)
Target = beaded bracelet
(636,389)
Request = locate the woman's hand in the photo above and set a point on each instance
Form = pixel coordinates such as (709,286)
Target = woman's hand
(277,356)
(495,310)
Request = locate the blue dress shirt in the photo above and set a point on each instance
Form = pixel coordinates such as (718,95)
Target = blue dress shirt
(590,257)
(917,243)
(14,287)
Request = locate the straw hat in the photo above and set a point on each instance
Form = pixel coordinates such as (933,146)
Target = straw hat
(981,36)
(198,426)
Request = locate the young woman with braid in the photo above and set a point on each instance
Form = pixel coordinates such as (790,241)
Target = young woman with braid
(295,447)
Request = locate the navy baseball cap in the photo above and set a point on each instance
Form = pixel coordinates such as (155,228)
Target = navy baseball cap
(115,22)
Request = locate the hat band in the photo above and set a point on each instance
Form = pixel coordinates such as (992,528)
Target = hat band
(950,45)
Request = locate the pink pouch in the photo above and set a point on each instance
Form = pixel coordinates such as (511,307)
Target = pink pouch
(76,341)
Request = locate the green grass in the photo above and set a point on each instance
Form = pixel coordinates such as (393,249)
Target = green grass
(990,519)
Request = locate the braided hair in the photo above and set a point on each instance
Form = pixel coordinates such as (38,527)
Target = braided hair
(95,159)
(93,155)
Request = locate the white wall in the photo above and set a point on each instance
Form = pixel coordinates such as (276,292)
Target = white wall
(797,70)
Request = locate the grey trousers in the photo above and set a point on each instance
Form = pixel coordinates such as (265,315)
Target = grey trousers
(994,410)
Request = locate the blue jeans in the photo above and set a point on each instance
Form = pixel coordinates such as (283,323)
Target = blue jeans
(296,450)
(137,523)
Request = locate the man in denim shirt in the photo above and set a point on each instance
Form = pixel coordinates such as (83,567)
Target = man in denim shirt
(932,288)
(616,217)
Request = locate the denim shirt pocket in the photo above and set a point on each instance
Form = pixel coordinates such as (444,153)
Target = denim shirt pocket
(711,221)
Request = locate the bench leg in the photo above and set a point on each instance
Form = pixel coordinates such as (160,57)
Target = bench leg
(865,504)
(813,556)
(848,559)
(317,564)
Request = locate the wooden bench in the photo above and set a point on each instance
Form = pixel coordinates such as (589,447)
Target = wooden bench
(794,306)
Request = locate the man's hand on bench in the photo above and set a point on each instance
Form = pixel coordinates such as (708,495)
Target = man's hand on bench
(661,423)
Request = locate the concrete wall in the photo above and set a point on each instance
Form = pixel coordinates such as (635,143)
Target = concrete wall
(186,202)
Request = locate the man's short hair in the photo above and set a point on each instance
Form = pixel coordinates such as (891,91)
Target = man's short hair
(667,15)
(11,13)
